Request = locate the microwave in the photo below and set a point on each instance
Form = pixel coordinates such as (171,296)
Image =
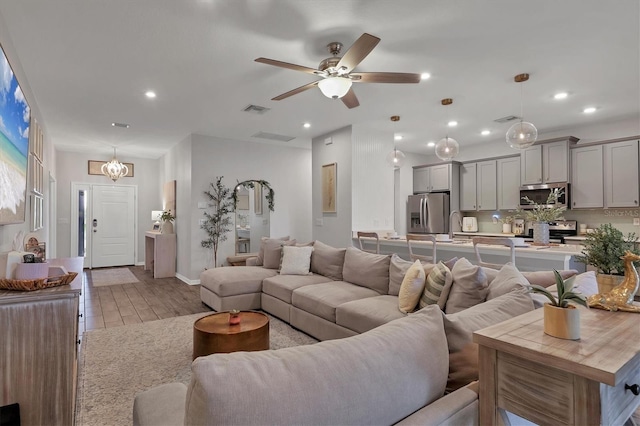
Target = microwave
(539,194)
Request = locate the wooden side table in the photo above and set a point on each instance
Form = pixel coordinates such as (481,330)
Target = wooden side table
(554,381)
(213,334)
(160,254)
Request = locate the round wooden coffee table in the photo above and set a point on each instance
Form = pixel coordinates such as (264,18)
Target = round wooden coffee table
(213,334)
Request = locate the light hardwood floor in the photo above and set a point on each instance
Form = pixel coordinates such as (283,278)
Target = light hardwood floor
(148,300)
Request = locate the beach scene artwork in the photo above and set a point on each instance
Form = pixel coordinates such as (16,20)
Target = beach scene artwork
(14,145)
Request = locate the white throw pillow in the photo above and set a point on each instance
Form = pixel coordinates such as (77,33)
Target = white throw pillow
(296,260)
(411,288)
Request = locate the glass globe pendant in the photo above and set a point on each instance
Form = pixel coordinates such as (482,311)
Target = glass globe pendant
(396,158)
(447,148)
(523,134)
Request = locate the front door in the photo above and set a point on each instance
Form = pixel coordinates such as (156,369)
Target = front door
(112,226)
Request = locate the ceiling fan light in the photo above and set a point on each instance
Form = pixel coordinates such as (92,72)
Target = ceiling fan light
(447,148)
(334,87)
(522,135)
(396,158)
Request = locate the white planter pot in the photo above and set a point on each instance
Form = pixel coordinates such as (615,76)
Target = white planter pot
(563,323)
(506,228)
(166,227)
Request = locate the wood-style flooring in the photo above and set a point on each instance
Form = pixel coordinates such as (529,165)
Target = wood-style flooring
(147,300)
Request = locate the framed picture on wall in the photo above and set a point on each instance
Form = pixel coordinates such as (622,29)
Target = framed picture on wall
(329,188)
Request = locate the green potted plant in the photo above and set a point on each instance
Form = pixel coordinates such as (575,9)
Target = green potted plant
(167,219)
(561,319)
(541,214)
(217,223)
(603,249)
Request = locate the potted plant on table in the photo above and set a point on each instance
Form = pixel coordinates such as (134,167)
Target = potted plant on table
(561,319)
(603,249)
(167,219)
(541,214)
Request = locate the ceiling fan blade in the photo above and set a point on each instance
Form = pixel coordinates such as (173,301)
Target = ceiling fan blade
(287,65)
(385,77)
(295,91)
(358,51)
(350,99)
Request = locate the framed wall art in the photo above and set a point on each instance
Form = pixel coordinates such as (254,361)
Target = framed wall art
(329,188)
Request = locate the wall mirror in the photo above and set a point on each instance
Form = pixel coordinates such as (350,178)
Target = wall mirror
(253,203)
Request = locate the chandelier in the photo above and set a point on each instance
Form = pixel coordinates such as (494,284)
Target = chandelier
(114,169)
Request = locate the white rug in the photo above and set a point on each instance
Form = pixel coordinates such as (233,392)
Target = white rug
(112,276)
(117,363)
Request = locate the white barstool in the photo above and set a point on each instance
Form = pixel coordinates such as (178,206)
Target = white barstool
(422,237)
(369,235)
(495,242)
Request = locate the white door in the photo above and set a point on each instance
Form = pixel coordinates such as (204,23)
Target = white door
(112,226)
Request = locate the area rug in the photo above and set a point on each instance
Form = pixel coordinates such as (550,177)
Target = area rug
(117,363)
(112,276)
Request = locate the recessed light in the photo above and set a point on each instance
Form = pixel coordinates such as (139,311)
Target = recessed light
(589,110)
(306,125)
(452,123)
(431,144)
(425,76)
(561,95)
(150,94)
(485,132)
(123,125)
(397,137)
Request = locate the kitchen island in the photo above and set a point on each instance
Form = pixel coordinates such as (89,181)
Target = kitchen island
(529,258)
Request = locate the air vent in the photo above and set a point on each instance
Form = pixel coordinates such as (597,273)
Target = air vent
(255,109)
(273,137)
(506,119)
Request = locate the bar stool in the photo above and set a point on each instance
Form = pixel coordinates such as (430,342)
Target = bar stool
(369,235)
(422,237)
(495,242)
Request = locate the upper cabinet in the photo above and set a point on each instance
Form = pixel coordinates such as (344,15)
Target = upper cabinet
(508,170)
(587,188)
(431,178)
(621,174)
(546,162)
(468,183)
(478,188)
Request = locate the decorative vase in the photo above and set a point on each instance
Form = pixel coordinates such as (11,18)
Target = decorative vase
(234,317)
(506,228)
(166,227)
(541,233)
(607,282)
(563,323)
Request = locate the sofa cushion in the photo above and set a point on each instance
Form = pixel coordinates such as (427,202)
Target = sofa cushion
(273,252)
(411,288)
(367,269)
(365,314)
(331,382)
(322,299)
(327,260)
(469,286)
(506,280)
(459,327)
(438,279)
(547,278)
(234,280)
(585,284)
(296,260)
(282,286)
(263,240)
(397,268)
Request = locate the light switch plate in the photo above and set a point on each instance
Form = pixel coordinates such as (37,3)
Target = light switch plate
(636,221)
(203,221)
(319,222)
(202,204)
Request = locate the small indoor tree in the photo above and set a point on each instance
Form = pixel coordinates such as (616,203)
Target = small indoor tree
(218,221)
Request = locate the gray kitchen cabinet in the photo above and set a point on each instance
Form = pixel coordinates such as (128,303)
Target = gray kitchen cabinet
(478,188)
(531,165)
(508,179)
(621,174)
(587,183)
(431,178)
(421,180)
(546,162)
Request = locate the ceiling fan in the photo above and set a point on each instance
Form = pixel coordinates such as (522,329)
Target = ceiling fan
(336,72)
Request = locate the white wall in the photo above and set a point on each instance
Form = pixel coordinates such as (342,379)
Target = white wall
(72,167)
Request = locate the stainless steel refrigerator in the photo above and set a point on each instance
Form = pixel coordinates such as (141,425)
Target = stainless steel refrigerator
(428,213)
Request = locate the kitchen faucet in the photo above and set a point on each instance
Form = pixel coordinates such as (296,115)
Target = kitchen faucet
(454,213)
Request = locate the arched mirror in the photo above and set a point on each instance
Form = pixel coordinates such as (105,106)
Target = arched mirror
(253,200)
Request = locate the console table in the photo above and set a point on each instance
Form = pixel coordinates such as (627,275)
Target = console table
(160,254)
(554,381)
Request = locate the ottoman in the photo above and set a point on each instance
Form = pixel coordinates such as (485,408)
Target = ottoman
(233,287)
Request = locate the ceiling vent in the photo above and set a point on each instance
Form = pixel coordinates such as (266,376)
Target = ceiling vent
(255,109)
(506,119)
(273,137)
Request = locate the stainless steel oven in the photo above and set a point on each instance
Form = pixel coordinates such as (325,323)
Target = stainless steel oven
(540,193)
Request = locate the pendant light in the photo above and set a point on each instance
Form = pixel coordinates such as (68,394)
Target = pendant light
(447,148)
(114,169)
(396,157)
(522,134)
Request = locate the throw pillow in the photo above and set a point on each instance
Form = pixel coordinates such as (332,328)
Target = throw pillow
(398,267)
(295,260)
(411,288)
(437,280)
(459,329)
(547,278)
(263,240)
(367,269)
(327,260)
(273,252)
(507,280)
(469,287)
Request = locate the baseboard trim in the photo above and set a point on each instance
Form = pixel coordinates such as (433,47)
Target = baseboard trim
(139,263)
(187,280)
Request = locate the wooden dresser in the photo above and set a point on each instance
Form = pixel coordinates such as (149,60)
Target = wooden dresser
(38,353)
(554,381)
